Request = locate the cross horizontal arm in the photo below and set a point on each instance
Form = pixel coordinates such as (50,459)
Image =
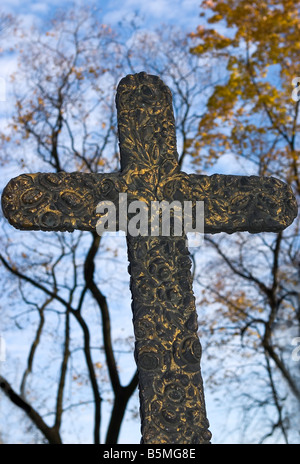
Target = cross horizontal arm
(57,201)
(239,203)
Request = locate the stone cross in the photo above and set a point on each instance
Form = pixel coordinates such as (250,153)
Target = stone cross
(167,348)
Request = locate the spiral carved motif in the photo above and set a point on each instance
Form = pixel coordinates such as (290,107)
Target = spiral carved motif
(167,348)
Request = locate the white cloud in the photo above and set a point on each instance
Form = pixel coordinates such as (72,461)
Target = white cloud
(230,164)
(183,13)
(40,7)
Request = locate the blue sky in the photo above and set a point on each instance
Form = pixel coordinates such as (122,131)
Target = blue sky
(184,13)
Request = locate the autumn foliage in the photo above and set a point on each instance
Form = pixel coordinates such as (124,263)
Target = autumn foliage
(251,111)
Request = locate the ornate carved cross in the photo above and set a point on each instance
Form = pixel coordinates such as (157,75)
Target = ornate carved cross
(167,349)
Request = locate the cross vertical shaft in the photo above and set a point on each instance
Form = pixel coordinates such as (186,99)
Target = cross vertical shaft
(167,349)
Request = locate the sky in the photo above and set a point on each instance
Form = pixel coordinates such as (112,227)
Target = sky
(184,13)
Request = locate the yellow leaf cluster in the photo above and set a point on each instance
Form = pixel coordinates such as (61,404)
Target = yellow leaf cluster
(261,45)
